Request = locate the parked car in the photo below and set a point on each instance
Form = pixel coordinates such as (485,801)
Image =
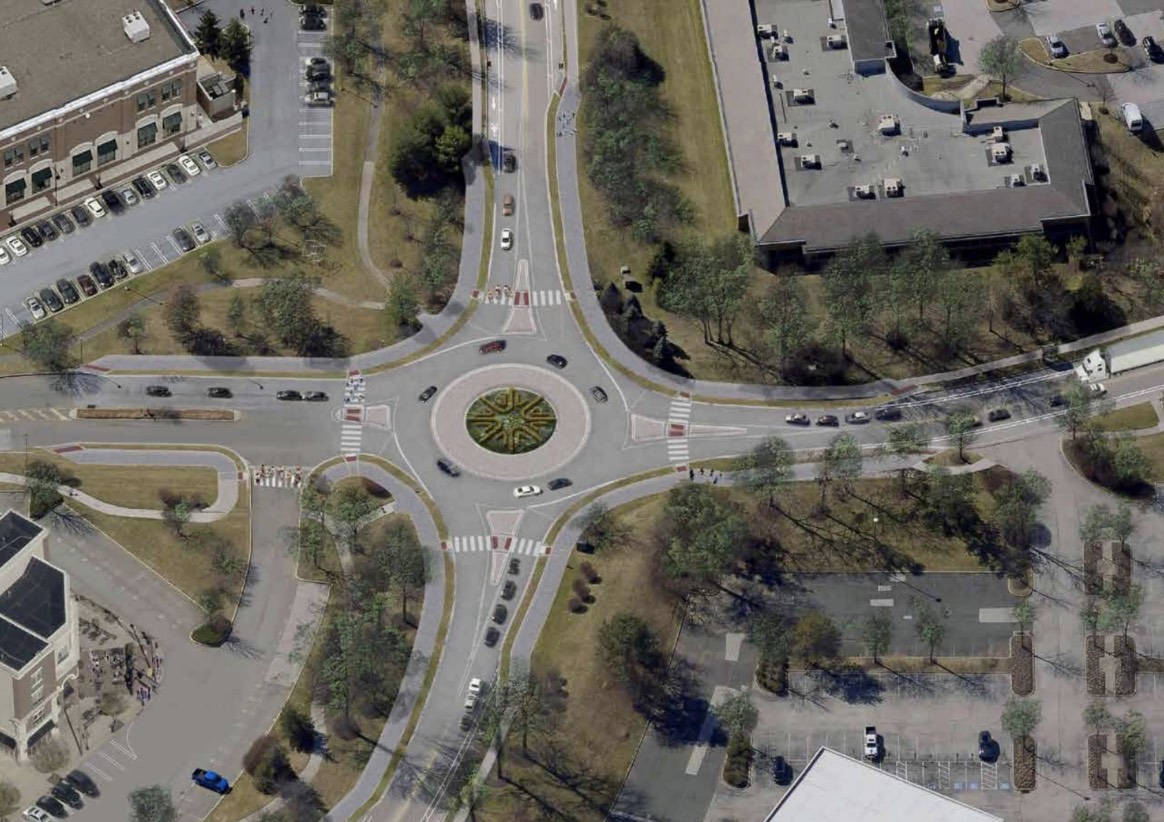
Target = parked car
(317,86)
(781,771)
(52,806)
(857,418)
(50,299)
(556,360)
(872,743)
(67,794)
(81,781)
(129,195)
(118,269)
(157,180)
(47,231)
(95,208)
(183,240)
(998,415)
(797,419)
(35,814)
(132,263)
(473,694)
(493,347)
(207,159)
(500,614)
(1057,400)
(316,61)
(142,186)
(507,203)
(5,259)
(1151,50)
(827,419)
(35,308)
(514,565)
(100,273)
(1055,46)
(535,11)
(188,165)
(288,396)
(315,74)
(87,285)
(312,23)
(113,202)
(67,291)
(888,414)
(219,393)
(1124,33)
(988,748)
(317,98)
(598,393)
(506,239)
(1103,31)
(81,216)
(509,161)
(509,589)
(427,394)
(175,173)
(17,245)
(313,10)
(559,483)
(448,467)
(63,223)
(523,491)
(211,781)
(31,237)
(315,396)
(200,233)
(491,636)
(157,391)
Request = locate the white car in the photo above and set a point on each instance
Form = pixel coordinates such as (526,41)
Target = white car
(157,180)
(317,98)
(200,233)
(474,693)
(5,259)
(1105,35)
(95,208)
(132,262)
(17,245)
(35,308)
(1055,46)
(526,491)
(506,239)
(36,814)
(188,165)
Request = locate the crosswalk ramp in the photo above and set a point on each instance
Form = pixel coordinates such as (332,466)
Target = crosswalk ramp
(351,438)
(678,420)
(473,544)
(32,414)
(352,429)
(277,476)
(537,299)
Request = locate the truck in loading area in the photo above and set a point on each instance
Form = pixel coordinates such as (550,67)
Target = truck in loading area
(1121,356)
(872,744)
(211,781)
(937,31)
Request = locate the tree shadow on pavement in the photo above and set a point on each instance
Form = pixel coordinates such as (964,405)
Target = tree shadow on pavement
(676,708)
(850,683)
(242,647)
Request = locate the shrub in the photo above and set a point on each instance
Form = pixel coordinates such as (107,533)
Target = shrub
(213,632)
(266,762)
(257,752)
(588,573)
(112,703)
(739,761)
(575,605)
(50,755)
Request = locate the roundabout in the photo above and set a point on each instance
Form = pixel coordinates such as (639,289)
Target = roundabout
(510,422)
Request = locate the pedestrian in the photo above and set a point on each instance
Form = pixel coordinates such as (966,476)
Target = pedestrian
(701,472)
(266,20)
(691,473)
(716,480)
(252,11)
(242,14)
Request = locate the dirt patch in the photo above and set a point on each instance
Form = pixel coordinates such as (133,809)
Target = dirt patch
(1125,678)
(1092,578)
(1095,682)
(1022,659)
(1096,773)
(156,414)
(1122,559)
(1025,750)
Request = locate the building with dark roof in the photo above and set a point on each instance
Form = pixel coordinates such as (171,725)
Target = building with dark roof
(88,89)
(39,644)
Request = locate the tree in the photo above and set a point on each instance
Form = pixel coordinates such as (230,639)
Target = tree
(629,648)
(1001,59)
(1086,813)
(1038,257)
(211,262)
(182,310)
(959,295)
(132,328)
(532,711)
(235,46)
(348,507)
(768,631)
(602,528)
(299,729)
(43,479)
(176,516)
(496,713)
(472,795)
(767,469)
(1123,608)
(840,461)
(46,344)
(1135,812)
(208,35)
(1131,737)
(1017,506)
(1020,717)
(50,755)
(783,314)
(915,274)
(816,638)
(403,303)
(1077,409)
(876,633)
(402,561)
(240,218)
(961,430)
(736,714)
(1122,525)
(1132,466)
(903,441)
(266,761)
(707,531)
(152,804)
(850,286)
(236,315)
(1024,614)
(1096,716)
(929,626)
(9,799)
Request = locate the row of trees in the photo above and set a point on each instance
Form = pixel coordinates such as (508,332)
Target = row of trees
(232,43)
(426,155)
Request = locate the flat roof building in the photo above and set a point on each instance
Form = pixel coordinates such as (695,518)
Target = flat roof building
(837,788)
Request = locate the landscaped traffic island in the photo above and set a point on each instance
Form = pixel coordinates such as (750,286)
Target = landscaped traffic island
(511,421)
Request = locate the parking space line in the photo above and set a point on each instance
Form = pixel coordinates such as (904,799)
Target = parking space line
(158,251)
(141,256)
(174,243)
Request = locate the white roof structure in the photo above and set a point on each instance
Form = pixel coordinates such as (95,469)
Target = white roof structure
(837,788)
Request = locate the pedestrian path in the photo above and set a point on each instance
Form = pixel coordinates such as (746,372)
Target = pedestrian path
(678,419)
(352,429)
(538,299)
(27,414)
(277,476)
(526,547)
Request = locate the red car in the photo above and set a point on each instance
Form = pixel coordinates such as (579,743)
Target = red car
(87,285)
(492,347)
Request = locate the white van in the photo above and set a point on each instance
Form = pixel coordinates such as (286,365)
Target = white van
(1132,117)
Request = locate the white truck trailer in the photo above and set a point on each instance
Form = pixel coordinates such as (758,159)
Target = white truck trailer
(1122,356)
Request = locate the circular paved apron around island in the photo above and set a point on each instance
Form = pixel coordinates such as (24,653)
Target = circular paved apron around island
(453,438)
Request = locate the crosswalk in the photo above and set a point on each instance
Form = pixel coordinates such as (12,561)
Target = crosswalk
(277,476)
(526,547)
(352,429)
(110,757)
(538,299)
(678,419)
(26,414)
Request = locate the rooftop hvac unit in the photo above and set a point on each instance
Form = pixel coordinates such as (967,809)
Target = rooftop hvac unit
(136,27)
(1000,152)
(835,41)
(7,83)
(765,30)
(998,134)
(888,124)
(1038,172)
(1015,181)
(810,161)
(892,187)
(779,51)
(802,95)
(786,138)
(864,192)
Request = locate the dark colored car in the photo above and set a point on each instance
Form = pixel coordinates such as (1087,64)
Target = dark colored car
(50,300)
(556,360)
(781,771)
(491,636)
(101,274)
(184,240)
(888,414)
(52,807)
(558,484)
(312,23)
(987,747)
(1124,33)
(315,396)
(317,73)
(67,291)
(500,614)
(313,10)
(66,793)
(827,419)
(1058,400)
(81,215)
(535,11)
(509,589)
(798,419)
(514,565)
(509,161)
(47,232)
(81,781)
(32,237)
(289,396)
(316,86)
(492,347)
(87,285)
(427,394)
(598,394)
(1162,773)
(1150,48)
(998,415)
(112,201)
(117,269)
(63,223)
(142,186)
(157,391)
(448,467)
(220,393)
(175,173)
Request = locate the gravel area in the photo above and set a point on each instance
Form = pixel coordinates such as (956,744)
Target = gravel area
(1022,660)
(1095,683)
(1125,680)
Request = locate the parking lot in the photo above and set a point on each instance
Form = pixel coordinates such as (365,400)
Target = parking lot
(315,122)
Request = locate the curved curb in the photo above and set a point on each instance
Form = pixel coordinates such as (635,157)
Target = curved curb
(1125,68)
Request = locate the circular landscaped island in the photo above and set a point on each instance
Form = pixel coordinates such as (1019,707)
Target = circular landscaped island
(511,421)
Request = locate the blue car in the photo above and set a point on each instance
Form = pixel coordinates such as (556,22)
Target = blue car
(211,781)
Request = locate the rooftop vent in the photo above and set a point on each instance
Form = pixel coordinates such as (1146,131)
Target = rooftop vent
(888,124)
(892,187)
(810,161)
(863,192)
(998,134)
(136,28)
(1016,181)
(1038,172)
(7,83)
(786,138)
(835,41)
(1000,152)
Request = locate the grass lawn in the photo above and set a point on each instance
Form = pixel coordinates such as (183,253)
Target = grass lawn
(1153,447)
(1087,62)
(1132,418)
(136,486)
(600,730)
(1136,165)
(232,148)
(950,458)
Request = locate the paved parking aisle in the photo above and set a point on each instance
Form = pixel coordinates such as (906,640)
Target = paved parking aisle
(315,123)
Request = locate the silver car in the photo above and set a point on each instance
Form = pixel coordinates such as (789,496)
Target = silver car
(200,233)
(132,263)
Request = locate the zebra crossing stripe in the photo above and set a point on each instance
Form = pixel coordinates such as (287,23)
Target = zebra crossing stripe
(479,543)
